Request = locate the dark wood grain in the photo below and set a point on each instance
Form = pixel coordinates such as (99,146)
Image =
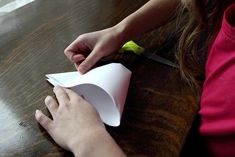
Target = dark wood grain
(160,107)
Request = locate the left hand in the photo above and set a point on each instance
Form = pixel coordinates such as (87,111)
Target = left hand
(74,121)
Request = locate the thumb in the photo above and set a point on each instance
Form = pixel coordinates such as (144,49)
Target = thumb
(90,61)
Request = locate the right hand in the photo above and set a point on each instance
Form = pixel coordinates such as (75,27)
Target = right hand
(88,48)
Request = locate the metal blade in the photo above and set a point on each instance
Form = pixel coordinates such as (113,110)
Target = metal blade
(160,59)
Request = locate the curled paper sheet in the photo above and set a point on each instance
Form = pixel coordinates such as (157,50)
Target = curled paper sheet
(105,87)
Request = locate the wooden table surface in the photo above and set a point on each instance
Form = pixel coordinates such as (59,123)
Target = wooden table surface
(159,109)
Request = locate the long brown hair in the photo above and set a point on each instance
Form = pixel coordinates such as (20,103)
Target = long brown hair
(203,20)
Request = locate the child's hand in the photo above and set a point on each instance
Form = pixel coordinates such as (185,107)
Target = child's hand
(88,48)
(74,124)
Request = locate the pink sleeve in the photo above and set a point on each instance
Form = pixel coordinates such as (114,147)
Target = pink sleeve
(218,98)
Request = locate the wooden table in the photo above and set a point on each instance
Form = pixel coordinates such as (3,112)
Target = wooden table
(159,109)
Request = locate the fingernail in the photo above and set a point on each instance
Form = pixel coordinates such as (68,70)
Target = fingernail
(37,111)
(47,99)
(56,87)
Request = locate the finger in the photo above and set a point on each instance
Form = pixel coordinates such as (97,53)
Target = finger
(52,105)
(61,95)
(76,66)
(73,95)
(89,61)
(78,58)
(69,54)
(71,50)
(76,47)
(43,120)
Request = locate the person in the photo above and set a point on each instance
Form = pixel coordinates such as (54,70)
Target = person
(206,48)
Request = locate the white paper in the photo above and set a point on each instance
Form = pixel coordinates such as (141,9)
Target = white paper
(104,87)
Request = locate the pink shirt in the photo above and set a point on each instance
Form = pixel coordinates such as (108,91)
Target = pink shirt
(218,98)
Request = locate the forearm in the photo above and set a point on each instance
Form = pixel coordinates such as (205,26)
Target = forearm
(153,14)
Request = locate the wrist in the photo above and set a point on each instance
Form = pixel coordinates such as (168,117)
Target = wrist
(97,144)
(85,144)
(123,33)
